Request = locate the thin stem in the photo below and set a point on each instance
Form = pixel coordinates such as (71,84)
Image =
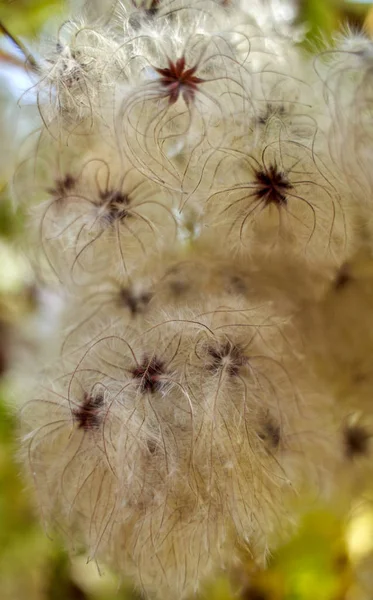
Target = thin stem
(30,59)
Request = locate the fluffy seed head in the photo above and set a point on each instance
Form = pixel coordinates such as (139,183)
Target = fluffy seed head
(87,415)
(207,352)
(356,440)
(271,186)
(226,357)
(149,374)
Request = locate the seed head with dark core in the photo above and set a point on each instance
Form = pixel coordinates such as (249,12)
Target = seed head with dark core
(136,303)
(356,440)
(272,185)
(149,374)
(63,185)
(115,204)
(270,433)
(343,277)
(272,110)
(226,356)
(176,80)
(87,415)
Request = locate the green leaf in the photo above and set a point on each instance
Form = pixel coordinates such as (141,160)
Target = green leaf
(321,17)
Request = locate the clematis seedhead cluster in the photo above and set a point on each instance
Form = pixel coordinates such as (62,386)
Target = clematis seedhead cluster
(199,192)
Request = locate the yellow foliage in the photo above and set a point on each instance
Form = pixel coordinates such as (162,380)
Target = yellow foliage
(26,17)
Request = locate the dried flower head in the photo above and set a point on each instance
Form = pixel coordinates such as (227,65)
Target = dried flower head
(356,440)
(176,80)
(87,416)
(271,186)
(226,357)
(62,187)
(113,204)
(149,374)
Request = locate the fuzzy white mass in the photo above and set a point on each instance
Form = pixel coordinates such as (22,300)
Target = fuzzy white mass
(199,194)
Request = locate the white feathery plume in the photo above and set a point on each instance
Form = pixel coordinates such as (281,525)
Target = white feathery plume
(199,196)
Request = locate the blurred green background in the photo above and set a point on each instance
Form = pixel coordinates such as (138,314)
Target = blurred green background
(331,558)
